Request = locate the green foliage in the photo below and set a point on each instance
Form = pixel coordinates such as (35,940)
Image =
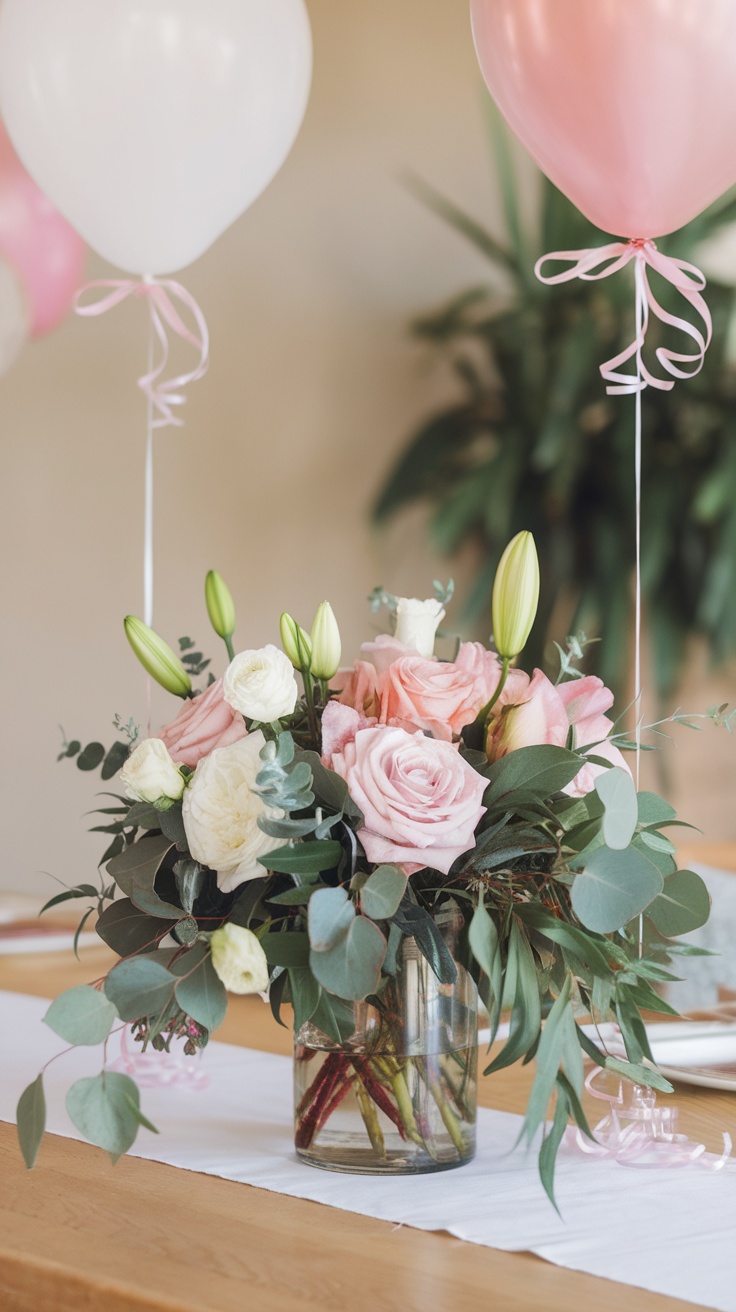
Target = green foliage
(31,1120)
(531,441)
(81,1015)
(346,950)
(141,986)
(382,892)
(682,906)
(128,930)
(613,888)
(200,992)
(106,1110)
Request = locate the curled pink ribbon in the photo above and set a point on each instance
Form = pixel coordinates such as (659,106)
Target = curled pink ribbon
(639,1133)
(163,394)
(601,262)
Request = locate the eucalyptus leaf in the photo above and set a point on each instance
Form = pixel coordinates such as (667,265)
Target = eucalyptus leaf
(331,913)
(286,949)
(352,968)
(31,1120)
(139,987)
(201,993)
(382,892)
(541,770)
(115,759)
(613,888)
(526,1011)
(81,1015)
(682,906)
(91,756)
(305,996)
(101,1110)
(653,810)
(617,792)
(548,1061)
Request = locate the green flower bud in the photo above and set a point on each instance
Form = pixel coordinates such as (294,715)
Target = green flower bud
(515,595)
(295,642)
(157,658)
(326,646)
(220,605)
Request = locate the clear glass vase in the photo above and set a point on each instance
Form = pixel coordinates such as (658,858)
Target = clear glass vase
(399,1096)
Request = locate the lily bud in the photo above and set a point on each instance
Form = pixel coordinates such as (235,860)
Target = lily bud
(220,605)
(515,595)
(295,642)
(326,645)
(157,658)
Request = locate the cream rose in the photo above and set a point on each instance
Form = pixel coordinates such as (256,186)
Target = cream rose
(149,773)
(221,811)
(239,960)
(261,684)
(417,623)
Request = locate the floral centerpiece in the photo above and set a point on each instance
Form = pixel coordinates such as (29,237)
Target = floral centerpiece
(367,849)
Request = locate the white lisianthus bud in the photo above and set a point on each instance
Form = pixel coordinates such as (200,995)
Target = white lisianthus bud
(221,809)
(150,774)
(261,684)
(295,642)
(326,645)
(417,623)
(515,595)
(239,959)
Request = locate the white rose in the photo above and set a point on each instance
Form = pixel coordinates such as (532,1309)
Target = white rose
(221,810)
(417,623)
(149,773)
(261,684)
(239,959)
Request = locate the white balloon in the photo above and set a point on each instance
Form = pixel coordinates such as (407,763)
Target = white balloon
(152,124)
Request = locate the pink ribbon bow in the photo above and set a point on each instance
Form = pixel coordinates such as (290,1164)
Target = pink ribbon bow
(162,394)
(601,262)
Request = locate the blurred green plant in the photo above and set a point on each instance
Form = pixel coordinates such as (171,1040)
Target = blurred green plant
(533,441)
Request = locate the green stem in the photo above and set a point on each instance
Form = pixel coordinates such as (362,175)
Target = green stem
(309,698)
(403,1098)
(230,649)
(370,1118)
(485,711)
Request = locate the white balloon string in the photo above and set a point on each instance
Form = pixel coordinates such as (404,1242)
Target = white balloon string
(148,543)
(162,395)
(641,308)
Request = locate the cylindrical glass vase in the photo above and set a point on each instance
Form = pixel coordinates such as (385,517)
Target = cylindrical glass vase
(399,1096)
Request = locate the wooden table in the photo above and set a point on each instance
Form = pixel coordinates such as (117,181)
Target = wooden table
(79,1235)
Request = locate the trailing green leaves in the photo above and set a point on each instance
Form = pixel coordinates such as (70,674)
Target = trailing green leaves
(200,992)
(415,922)
(31,1121)
(613,888)
(139,987)
(82,1015)
(682,906)
(521,993)
(106,1110)
(486,949)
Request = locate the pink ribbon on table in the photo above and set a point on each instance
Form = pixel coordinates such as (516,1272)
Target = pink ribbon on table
(601,262)
(163,394)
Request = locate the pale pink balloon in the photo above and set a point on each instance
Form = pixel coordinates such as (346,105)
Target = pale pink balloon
(45,251)
(629,106)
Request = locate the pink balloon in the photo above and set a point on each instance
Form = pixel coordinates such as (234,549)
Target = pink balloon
(629,106)
(45,251)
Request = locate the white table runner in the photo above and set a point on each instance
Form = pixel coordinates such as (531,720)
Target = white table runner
(671,1231)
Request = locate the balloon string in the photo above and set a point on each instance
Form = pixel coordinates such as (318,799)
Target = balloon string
(162,394)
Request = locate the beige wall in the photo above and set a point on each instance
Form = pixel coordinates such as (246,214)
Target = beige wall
(313,386)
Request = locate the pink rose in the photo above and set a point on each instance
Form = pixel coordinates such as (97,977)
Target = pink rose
(537,711)
(586,700)
(420,798)
(384,651)
(339,726)
(483,666)
(433,695)
(203,723)
(538,716)
(358,688)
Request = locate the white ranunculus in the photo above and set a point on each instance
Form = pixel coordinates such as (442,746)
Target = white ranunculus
(417,623)
(239,959)
(221,810)
(149,773)
(261,684)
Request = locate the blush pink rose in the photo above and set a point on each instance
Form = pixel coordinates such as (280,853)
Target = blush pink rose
(203,723)
(436,696)
(536,712)
(483,666)
(539,716)
(339,726)
(358,688)
(420,798)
